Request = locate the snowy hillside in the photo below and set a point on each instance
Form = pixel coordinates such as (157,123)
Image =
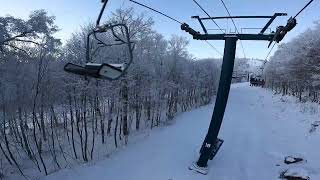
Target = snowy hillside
(259,130)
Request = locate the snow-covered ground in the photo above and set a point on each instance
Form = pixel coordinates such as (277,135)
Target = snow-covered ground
(260,129)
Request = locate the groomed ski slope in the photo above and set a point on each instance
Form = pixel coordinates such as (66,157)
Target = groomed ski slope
(259,130)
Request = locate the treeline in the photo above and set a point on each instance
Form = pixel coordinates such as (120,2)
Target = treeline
(294,69)
(51,119)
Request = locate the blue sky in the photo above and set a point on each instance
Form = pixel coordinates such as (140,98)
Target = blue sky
(71,14)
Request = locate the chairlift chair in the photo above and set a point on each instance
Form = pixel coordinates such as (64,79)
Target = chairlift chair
(109,71)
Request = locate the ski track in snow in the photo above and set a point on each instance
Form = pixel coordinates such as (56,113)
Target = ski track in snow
(259,131)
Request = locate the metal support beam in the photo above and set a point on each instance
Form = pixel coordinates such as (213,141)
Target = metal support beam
(236,17)
(245,17)
(256,37)
(202,25)
(221,100)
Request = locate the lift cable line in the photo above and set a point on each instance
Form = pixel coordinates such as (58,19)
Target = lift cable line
(214,48)
(224,5)
(207,15)
(303,8)
(173,19)
(234,26)
(266,59)
(152,9)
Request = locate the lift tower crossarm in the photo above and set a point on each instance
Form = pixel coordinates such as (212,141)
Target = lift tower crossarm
(271,19)
(198,36)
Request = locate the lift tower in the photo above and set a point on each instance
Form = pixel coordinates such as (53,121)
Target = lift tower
(211,142)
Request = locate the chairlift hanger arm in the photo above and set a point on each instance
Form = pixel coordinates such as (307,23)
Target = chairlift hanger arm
(104,28)
(105,2)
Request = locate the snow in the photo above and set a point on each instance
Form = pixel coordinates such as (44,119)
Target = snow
(290,159)
(297,173)
(260,129)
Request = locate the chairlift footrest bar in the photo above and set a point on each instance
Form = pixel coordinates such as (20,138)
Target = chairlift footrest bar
(102,71)
(79,70)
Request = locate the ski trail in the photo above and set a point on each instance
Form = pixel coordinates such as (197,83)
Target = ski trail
(256,135)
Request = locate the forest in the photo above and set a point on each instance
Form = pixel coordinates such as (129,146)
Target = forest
(51,119)
(295,67)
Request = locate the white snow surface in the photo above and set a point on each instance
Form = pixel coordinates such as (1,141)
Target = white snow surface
(290,159)
(260,129)
(297,173)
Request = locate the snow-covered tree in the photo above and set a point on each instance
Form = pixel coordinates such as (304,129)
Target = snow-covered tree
(52,119)
(294,68)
